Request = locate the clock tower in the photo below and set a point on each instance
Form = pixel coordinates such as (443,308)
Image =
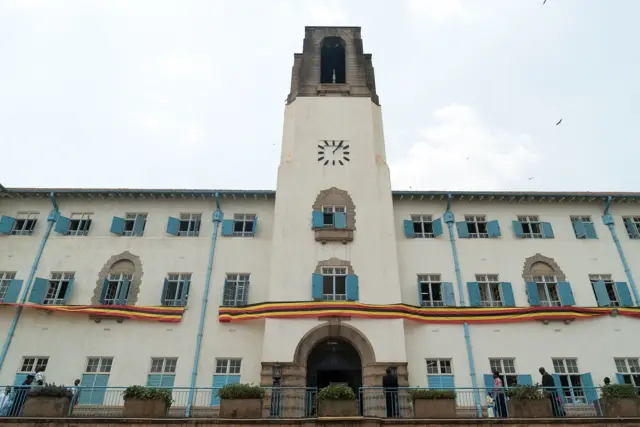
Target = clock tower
(334,237)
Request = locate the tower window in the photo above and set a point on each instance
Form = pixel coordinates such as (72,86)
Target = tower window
(333,61)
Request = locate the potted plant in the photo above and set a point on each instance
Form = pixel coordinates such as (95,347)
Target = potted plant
(337,400)
(528,401)
(146,402)
(241,401)
(49,400)
(433,403)
(620,400)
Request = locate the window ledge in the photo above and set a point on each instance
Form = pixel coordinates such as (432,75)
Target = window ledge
(333,88)
(325,235)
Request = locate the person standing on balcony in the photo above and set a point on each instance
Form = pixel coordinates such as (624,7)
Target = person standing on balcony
(40,379)
(549,386)
(390,389)
(499,398)
(76,393)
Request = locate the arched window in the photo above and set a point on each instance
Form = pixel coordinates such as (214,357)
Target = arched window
(333,61)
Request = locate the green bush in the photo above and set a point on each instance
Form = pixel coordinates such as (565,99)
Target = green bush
(336,392)
(423,394)
(148,393)
(619,391)
(241,391)
(526,392)
(50,390)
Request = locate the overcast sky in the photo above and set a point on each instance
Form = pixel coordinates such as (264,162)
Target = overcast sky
(190,93)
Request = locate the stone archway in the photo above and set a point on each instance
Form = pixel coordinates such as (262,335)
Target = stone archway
(540,265)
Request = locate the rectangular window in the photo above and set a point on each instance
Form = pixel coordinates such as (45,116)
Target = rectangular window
(570,380)
(130,222)
(431,290)
(189,224)
(25,223)
(628,370)
(632,225)
(228,366)
(176,289)
(531,226)
(227,371)
(548,290)
(95,379)
(439,367)
(328,215)
(422,226)
(236,290)
(490,290)
(162,372)
(334,283)
(116,284)
(30,363)
(507,370)
(58,285)
(477,226)
(243,225)
(100,365)
(79,224)
(5,280)
(583,227)
(609,284)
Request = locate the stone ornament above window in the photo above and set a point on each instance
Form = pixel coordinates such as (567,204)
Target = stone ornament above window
(124,263)
(333,216)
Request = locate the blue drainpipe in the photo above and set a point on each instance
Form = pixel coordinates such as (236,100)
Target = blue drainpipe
(450,219)
(217,218)
(51,219)
(607,219)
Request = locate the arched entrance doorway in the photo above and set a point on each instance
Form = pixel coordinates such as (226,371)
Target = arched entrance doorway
(334,361)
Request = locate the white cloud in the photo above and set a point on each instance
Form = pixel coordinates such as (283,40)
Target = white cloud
(460,152)
(437,10)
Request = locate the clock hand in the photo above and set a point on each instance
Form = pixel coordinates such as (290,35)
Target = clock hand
(339,145)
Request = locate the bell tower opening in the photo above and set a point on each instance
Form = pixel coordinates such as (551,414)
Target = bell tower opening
(333,63)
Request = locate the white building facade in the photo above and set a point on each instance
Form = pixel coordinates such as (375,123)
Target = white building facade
(334,280)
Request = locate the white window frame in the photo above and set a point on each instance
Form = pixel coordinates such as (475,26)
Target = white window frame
(583,218)
(163,366)
(506,367)
(567,367)
(239,283)
(245,221)
(228,366)
(443,366)
(118,279)
(433,281)
(548,293)
(334,272)
(81,223)
(424,223)
(490,290)
(629,368)
(54,295)
(130,221)
(103,365)
(332,210)
(612,292)
(26,367)
(477,226)
(636,221)
(192,222)
(5,280)
(531,226)
(25,223)
(179,279)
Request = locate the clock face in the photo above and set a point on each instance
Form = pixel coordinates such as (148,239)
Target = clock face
(333,152)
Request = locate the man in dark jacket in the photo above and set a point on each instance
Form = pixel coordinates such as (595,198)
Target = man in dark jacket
(549,386)
(390,387)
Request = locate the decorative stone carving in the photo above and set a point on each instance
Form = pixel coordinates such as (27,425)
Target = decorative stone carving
(336,197)
(334,262)
(540,265)
(126,263)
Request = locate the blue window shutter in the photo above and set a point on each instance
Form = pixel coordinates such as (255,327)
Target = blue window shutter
(449,296)
(436,225)
(463,230)
(493,228)
(624,295)
(488,382)
(602,296)
(138,225)
(507,294)
(566,295)
(316,286)
(103,292)
(219,381)
(589,389)
(167,381)
(154,380)
(19,379)
(90,395)
(13,291)
(547,230)
(631,228)
(532,293)
(619,378)
(233,379)
(447,382)
(117,225)
(6,224)
(185,293)
(62,224)
(317,219)
(590,228)
(352,288)
(173,226)
(39,290)
(340,220)
(68,292)
(419,293)
(517,228)
(163,295)
(227,228)
(525,380)
(254,226)
(408,228)
(558,384)
(474,294)
(124,292)
(579,228)
(434,382)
